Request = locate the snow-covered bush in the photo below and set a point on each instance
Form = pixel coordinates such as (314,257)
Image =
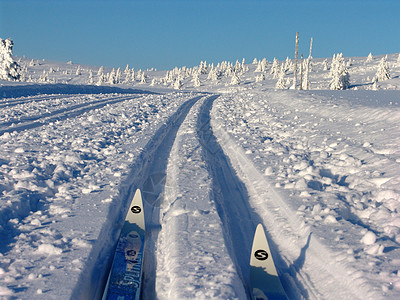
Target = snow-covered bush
(383,70)
(260,77)
(9,69)
(339,73)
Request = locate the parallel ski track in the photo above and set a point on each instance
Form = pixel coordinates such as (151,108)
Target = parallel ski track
(72,111)
(315,273)
(17,101)
(232,200)
(151,163)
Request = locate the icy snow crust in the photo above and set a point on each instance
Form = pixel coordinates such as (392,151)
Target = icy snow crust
(319,169)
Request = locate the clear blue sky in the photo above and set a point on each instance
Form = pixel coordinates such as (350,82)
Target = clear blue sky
(165,34)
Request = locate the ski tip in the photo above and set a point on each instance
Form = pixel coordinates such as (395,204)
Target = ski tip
(260,229)
(136,212)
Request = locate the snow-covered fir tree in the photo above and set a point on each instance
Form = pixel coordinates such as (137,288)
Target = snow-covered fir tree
(101,79)
(196,79)
(9,69)
(398,59)
(339,73)
(369,57)
(235,79)
(203,69)
(90,77)
(178,83)
(325,64)
(280,84)
(255,61)
(262,65)
(383,70)
(288,64)
(111,77)
(100,71)
(143,78)
(78,71)
(275,68)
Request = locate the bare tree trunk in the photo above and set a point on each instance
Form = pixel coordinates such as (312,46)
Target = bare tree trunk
(308,66)
(301,72)
(295,61)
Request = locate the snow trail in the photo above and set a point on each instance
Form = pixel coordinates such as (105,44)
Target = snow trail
(29,122)
(193,262)
(151,160)
(311,269)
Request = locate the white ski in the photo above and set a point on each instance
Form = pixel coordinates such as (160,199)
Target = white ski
(264,279)
(125,278)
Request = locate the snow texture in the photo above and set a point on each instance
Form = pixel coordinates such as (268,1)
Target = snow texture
(216,150)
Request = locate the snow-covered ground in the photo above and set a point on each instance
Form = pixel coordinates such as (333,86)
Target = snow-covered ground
(319,169)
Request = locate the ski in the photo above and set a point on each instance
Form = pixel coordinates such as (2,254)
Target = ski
(264,279)
(125,278)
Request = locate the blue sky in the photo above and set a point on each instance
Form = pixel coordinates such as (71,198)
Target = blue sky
(164,34)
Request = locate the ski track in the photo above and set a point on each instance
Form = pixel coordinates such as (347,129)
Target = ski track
(85,167)
(6,103)
(308,268)
(150,163)
(190,206)
(29,122)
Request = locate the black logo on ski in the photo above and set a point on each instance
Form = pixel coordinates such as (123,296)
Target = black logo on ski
(136,209)
(261,254)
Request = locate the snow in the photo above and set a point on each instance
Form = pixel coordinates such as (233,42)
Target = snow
(318,168)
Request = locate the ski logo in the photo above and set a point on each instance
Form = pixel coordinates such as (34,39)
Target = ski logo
(261,254)
(136,209)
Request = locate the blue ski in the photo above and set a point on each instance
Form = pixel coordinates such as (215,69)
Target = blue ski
(125,278)
(264,279)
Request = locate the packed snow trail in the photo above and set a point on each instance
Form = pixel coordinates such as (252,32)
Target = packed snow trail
(71,174)
(319,270)
(150,161)
(32,121)
(193,261)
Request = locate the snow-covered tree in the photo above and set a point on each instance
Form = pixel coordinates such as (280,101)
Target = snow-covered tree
(255,61)
(280,84)
(398,59)
(101,79)
(178,83)
(370,57)
(383,70)
(325,64)
(90,77)
(100,71)
(339,73)
(288,64)
(78,71)
(143,78)
(275,68)
(9,69)
(111,77)
(196,80)
(235,79)
(203,69)
(262,65)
